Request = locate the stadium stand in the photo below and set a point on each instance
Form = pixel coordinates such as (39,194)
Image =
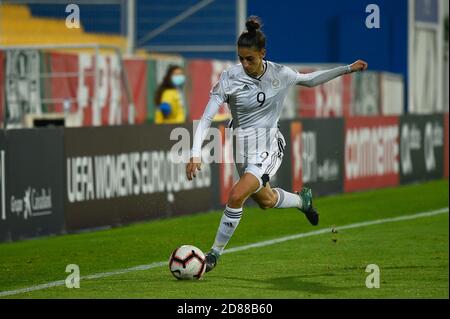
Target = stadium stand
(19,27)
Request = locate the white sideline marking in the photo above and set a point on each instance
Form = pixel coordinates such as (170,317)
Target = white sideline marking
(231,250)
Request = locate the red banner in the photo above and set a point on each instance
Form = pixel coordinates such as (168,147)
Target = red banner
(203,74)
(64,82)
(331,99)
(199,74)
(137,76)
(73,84)
(296,155)
(371,153)
(446,150)
(111,91)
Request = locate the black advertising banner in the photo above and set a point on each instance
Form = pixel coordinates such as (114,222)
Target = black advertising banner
(116,175)
(34,191)
(4,231)
(421,147)
(322,153)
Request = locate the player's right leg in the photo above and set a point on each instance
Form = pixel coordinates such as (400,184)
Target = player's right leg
(231,217)
(269,197)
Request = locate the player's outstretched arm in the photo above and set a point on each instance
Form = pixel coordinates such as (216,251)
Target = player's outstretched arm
(202,129)
(323,76)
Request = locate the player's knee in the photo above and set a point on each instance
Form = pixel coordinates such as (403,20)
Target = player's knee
(266,203)
(235,199)
(263,205)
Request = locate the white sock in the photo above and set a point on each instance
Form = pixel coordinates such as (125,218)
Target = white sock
(228,224)
(287,200)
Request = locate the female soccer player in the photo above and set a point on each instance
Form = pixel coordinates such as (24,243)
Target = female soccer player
(255,90)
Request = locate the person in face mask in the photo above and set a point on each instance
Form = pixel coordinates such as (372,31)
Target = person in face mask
(169,99)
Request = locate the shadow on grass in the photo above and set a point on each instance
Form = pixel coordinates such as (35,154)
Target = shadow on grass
(289,283)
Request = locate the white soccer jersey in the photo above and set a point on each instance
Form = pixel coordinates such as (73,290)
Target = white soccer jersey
(256,103)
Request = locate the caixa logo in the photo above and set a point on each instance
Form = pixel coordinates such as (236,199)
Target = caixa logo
(34,203)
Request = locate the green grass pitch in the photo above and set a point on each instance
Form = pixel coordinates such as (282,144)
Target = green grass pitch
(412,255)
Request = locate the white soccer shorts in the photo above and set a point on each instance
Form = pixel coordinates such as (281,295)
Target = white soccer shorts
(265,164)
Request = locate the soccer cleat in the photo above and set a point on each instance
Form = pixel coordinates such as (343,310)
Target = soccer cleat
(211,259)
(307,206)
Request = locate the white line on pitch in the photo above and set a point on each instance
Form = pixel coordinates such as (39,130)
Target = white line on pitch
(327,230)
(231,250)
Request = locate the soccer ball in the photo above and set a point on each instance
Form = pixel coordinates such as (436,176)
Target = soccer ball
(187,262)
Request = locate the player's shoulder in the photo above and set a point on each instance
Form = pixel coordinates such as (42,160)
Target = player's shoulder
(277,67)
(274,65)
(233,71)
(282,72)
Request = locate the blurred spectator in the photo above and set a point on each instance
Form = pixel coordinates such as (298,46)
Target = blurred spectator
(169,99)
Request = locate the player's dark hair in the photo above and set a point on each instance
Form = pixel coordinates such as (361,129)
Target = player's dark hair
(253,37)
(166,83)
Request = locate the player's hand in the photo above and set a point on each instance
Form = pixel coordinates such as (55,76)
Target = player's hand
(359,65)
(192,167)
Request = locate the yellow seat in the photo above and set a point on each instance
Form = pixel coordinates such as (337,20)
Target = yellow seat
(18,27)
(14,11)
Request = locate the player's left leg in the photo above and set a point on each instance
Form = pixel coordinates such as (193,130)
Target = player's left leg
(231,217)
(268,197)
